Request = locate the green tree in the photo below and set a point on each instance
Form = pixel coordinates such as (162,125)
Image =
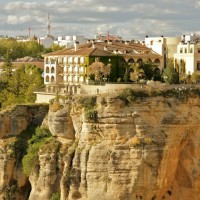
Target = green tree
(54,47)
(170,75)
(195,77)
(150,71)
(21,85)
(7,66)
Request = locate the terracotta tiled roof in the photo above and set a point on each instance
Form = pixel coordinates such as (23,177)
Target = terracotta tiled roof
(108,49)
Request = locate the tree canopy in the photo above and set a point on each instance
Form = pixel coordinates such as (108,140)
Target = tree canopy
(19,87)
(22,49)
(99,70)
(170,75)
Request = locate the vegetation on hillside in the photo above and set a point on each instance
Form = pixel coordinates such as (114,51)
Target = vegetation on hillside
(30,160)
(17,86)
(17,49)
(129,95)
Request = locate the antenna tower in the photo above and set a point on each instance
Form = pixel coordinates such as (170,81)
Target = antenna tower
(48,26)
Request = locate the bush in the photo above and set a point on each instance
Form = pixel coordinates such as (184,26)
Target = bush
(30,160)
(129,95)
(55,106)
(10,192)
(88,103)
(55,196)
(92,115)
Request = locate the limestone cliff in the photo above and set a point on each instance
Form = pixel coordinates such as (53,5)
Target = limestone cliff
(108,147)
(13,121)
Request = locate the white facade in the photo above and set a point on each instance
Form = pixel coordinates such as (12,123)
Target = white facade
(163,45)
(189,54)
(63,71)
(69,41)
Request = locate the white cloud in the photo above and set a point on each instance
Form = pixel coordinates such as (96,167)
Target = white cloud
(128,18)
(12,19)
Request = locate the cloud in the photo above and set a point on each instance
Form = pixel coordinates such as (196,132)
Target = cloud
(128,18)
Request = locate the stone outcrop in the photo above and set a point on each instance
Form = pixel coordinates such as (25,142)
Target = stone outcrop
(13,182)
(147,149)
(17,118)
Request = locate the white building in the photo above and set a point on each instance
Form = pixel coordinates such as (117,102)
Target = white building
(189,55)
(165,46)
(69,41)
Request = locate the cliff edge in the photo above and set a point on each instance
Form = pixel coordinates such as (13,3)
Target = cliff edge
(121,147)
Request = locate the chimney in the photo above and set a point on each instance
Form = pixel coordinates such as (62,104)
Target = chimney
(127,42)
(93,44)
(116,51)
(183,39)
(76,46)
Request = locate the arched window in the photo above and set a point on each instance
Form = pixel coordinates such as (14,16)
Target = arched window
(47,78)
(131,61)
(52,79)
(157,61)
(52,70)
(139,61)
(47,69)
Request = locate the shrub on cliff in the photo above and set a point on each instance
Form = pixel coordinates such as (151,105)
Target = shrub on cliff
(129,95)
(30,160)
(55,196)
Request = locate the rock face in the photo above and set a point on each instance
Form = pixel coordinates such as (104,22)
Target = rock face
(13,183)
(16,119)
(147,149)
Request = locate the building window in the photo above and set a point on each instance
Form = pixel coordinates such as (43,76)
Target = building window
(157,61)
(52,79)
(181,50)
(47,78)
(191,50)
(131,61)
(47,69)
(185,50)
(198,66)
(140,61)
(52,70)
(198,50)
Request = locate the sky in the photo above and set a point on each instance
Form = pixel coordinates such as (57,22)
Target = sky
(131,19)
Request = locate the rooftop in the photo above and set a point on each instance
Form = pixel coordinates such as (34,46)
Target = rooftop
(126,49)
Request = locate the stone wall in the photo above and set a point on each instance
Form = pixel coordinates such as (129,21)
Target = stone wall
(113,88)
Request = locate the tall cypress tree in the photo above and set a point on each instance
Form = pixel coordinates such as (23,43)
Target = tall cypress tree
(8,66)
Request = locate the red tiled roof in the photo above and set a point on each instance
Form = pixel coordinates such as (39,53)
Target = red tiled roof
(98,49)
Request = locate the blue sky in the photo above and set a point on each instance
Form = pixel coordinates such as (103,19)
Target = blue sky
(131,19)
